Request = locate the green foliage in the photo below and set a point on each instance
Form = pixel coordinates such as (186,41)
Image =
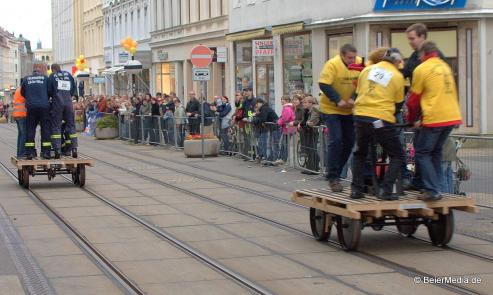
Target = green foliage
(107,122)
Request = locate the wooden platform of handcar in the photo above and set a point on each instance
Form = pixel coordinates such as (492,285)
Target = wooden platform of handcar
(52,167)
(407,205)
(63,161)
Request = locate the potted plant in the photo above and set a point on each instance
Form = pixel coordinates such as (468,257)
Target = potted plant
(107,127)
(79,123)
(192,146)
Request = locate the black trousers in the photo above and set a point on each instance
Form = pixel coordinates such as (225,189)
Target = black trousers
(310,145)
(388,138)
(35,117)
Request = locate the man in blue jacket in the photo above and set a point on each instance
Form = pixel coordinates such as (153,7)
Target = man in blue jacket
(35,89)
(61,88)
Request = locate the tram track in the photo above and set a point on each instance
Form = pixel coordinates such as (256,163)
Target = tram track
(109,268)
(234,186)
(399,268)
(281,200)
(113,270)
(408,271)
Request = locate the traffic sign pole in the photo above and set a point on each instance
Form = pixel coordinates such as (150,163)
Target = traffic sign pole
(201,57)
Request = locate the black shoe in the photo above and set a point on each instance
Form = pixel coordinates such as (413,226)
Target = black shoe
(74,153)
(29,157)
(57,155)
(46,156)
(357,195)
(66,153)
(388,196)
(427,196)
(308,172)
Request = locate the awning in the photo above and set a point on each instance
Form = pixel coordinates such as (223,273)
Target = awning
(289,28)
(112,71)
(246,35)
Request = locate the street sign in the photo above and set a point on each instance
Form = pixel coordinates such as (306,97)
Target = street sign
(122,57)
(201,56)
(200,74)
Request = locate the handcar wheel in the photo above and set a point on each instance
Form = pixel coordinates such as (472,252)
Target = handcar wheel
(441,230)
(19,176)
(321,224)
(25,177)
(406,230)
(81,171)
(75,176)
(349,232)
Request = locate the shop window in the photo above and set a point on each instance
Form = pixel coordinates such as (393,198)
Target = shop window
(446,41)
(165,78)
(243,59)
(335,43)
(297,61)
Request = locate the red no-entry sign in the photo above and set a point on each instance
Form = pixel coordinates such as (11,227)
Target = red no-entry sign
(201,56)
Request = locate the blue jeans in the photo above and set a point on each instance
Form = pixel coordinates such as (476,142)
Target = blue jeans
(447,177)
(284,151)
(268,144)
(428,145)
(341,141)
(21,136)
(223,134)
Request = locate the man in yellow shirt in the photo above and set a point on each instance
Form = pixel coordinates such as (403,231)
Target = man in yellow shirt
(434,105)
(337,85)
(380,95)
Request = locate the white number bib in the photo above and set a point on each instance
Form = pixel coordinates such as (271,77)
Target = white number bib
(380,76)
(63,85)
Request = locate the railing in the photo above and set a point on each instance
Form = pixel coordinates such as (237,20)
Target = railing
(305,148)
(474,168)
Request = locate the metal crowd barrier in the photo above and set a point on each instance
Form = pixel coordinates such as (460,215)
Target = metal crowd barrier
(474,167)
(166,130)
(305,149)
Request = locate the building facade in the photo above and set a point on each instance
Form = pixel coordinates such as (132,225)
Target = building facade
(43,54)
(10,61)
(297,42)
(26,55)
(92,43)
(63,45)
(177,26)
(122,19)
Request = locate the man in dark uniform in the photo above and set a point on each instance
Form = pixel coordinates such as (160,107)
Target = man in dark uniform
(61,88)
(35,89)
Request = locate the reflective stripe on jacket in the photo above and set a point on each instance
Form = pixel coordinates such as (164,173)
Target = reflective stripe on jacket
(19,110)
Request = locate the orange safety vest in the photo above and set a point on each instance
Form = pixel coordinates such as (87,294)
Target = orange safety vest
(20,110)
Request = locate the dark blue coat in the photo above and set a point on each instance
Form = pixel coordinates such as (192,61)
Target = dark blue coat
(35,89)
(55,87)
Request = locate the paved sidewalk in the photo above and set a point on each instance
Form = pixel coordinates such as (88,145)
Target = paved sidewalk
(10,281)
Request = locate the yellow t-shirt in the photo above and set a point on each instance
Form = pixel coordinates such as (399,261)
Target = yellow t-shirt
(336,74)
(434,81)
(380,87)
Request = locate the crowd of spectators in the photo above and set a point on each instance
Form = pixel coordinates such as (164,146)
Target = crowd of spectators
(247,126)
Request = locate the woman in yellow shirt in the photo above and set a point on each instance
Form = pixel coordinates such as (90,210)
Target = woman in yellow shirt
(380,94)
